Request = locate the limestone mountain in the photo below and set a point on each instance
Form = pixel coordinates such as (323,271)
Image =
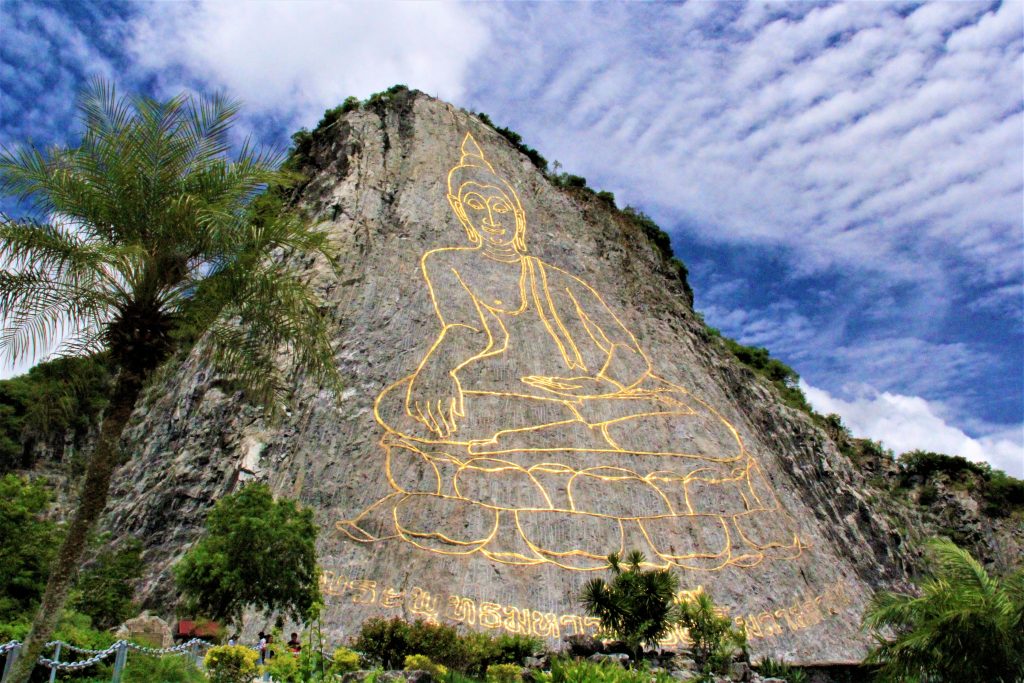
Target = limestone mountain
(527,390)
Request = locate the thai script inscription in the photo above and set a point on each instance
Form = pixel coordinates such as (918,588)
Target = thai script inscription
(419,603)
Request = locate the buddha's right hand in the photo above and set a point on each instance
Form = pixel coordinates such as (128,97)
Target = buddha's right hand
(435,402)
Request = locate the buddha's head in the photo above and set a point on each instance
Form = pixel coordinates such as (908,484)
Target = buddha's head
(485,203)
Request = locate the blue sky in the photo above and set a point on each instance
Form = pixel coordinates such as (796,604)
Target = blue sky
(844,181)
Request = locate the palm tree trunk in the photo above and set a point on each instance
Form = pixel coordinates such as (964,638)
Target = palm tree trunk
(92,500)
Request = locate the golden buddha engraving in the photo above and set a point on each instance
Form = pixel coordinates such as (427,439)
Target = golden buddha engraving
(535,430)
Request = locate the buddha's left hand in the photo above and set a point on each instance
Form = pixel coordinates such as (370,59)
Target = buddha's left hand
(575,387)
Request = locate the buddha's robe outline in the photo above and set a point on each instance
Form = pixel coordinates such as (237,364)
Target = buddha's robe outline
(555,418)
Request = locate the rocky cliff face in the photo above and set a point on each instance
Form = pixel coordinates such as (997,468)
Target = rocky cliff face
(527,390)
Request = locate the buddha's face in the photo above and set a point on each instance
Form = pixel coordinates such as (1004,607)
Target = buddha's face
(489,211)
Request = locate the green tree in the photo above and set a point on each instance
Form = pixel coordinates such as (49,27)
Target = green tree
(636,606)
(964,626)
(139,241)
(106,586)
(30,541)
(257,552)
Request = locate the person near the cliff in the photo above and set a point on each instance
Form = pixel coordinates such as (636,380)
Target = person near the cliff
(294,645)
(264,640)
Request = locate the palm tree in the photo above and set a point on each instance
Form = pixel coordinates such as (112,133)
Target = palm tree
(146,238)
(637,605)
(965,625)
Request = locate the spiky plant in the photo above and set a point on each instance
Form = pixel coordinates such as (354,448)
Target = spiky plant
(636,606)
(140,240)
(964,626)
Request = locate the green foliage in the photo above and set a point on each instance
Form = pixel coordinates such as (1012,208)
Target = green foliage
(231,664)
(637,605)
(783,377)
(257,552)
(389,641)
(964,626)
(517,141)
(384,641)
(106,585)
(513,648)
(774,668)
(663,242)
(712,635)
(345,660)
(504,673)
(380,100)
(142,668)
(1003,494)
(425,663)
(52,400)
(283,666)
(565,670)
(24,564)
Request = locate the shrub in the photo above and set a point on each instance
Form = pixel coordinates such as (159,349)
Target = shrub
(345,660)
(636,605)
(145,669)
(425,663)
(772,668)
(504,673)
(438,641)
(384,641)
(283,666)
(231,664)
(712,635)
(479,650)
(513,648)
(583,671)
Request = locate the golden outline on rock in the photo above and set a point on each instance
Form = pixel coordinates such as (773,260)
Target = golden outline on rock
(585,430)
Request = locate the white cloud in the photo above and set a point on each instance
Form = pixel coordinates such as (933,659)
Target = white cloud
(905,423)
(297,59)
(850,133)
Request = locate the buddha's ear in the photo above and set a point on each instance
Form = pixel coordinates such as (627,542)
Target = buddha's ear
(460,213)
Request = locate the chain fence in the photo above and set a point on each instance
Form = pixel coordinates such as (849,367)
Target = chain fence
(119,649)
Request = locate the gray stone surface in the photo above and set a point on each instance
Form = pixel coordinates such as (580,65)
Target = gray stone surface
(498,524)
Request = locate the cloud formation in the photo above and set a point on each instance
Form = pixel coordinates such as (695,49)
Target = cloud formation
(876,135)
(297,59)
(904,423)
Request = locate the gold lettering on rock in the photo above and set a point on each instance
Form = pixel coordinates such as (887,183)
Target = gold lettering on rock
(801,614)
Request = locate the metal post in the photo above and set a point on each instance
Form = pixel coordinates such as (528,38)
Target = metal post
(119,661)
(56,658)
(12,657)
(195,654)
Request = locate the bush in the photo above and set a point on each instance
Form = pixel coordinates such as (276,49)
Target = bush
(438,641)
(504,673)
(771,668)
(345,660)
(425,663)
(171,669)
(231,664)
(583,671)
(479,650)
(283,666)
(513,648)
(712,635)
